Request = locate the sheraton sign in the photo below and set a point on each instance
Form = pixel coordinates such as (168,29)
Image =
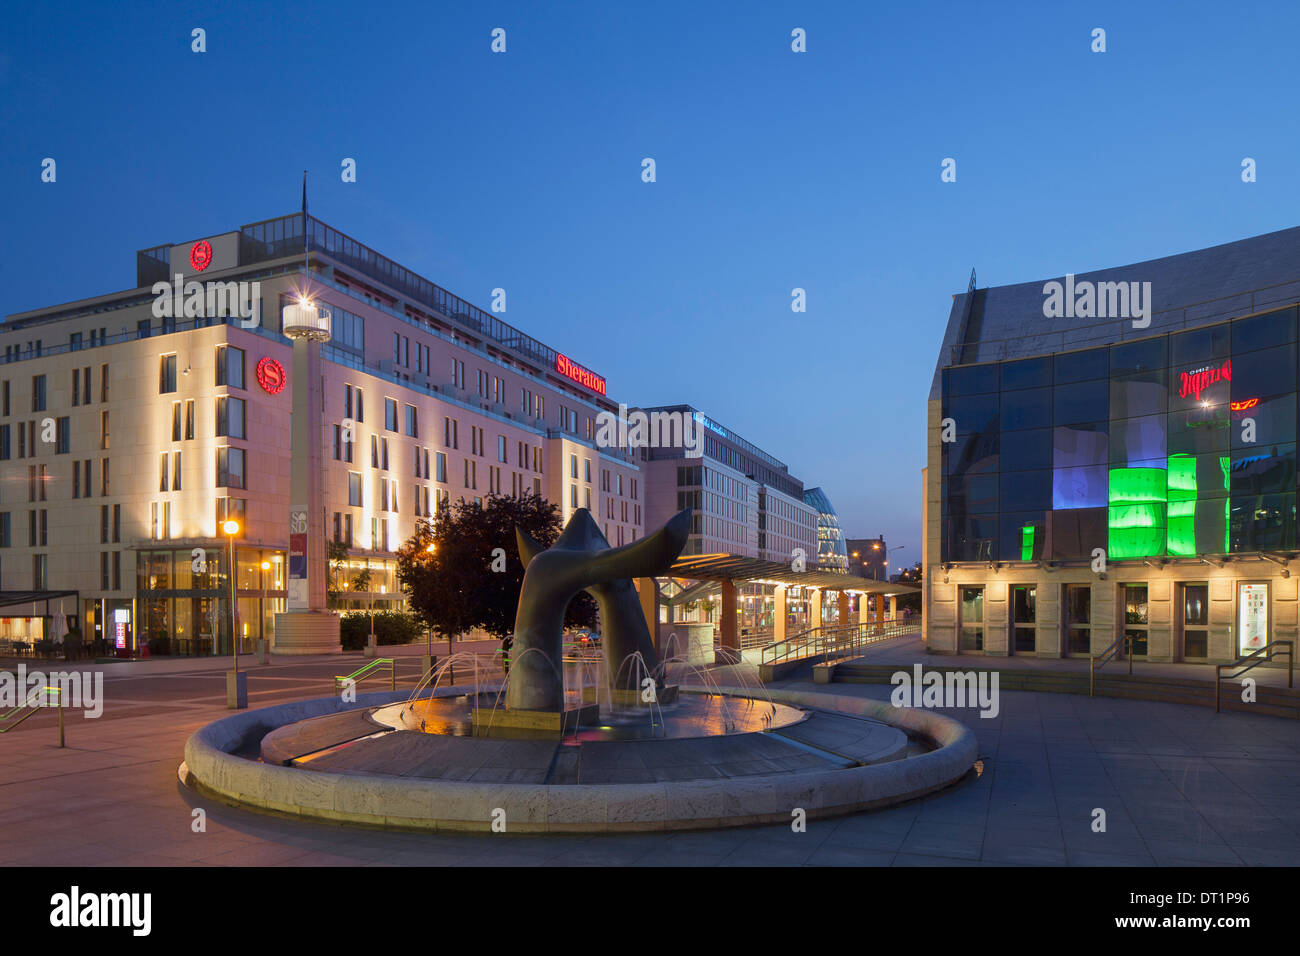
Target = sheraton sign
(576,373)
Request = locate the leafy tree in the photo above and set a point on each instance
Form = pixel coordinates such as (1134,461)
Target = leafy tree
(462,569)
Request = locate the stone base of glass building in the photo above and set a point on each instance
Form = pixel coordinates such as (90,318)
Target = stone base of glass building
(1189,610)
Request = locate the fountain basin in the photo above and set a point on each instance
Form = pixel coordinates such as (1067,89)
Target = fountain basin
(549,786)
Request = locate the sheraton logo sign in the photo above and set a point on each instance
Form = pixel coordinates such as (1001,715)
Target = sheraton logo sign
(575,372)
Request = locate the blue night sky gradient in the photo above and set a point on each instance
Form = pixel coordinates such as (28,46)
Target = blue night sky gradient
(775,170)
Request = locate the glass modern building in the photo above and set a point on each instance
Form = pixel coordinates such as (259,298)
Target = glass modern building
(832,554)
(1102,477)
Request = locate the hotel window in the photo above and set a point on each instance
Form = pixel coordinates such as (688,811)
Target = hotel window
(230,467)
(586,495)
(38,393)
(390,415)
(76,480)
(31,529)
(634,489)
(162,471)
(4,398)
(230,366)
(525,401)
(103,479)
(232,508)
(117,523)
(76,387)
(1078,618)
(374,451)
(1024,614)
(537,487)
(476,440)
(39,567)
(4,442)
(103,524)
(482,384)
(537,458)
(354,489)
(471,474)
(43,479)
(502,454)
(167,374)
(1196,621)
(103,387)
(230,417)
(541,407)
(176,471)
(383,448)
(426,462)
(442,467)
(586,469)
(573,467)
(498,389)
(412,422)
(62,435)
(4,529)
(189,418)
(449,435)
(45,527)
(103,570)
(1136,618)
(457,373)
(972,619)
(620,484)
(176,421)
(117,570)
(573,496)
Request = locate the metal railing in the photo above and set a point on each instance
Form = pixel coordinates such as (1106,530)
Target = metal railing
(1098,661)
(30,706)
(834,641)
(750,637)
(1254,659)
(370,670)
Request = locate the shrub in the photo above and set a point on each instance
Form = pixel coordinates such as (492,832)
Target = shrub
(391,627)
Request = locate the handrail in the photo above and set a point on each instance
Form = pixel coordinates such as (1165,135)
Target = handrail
(32,708)
(1097,661)
(368,670)
(835,640)
(1288,648)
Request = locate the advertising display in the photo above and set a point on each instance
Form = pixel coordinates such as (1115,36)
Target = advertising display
(1252,617)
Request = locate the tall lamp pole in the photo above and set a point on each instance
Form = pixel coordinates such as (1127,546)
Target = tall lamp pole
(231,528)
(266,566)
(236,683)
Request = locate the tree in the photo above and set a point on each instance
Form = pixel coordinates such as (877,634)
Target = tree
(462,569)
(337,554)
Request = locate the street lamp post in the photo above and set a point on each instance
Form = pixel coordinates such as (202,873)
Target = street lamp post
(236,683)
(266,566)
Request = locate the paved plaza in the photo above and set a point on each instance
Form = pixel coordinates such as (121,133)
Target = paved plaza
(1179,785)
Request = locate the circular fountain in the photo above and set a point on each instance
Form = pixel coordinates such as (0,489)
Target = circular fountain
(628,739)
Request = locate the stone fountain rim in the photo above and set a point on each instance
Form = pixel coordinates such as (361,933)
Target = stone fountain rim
(212,767)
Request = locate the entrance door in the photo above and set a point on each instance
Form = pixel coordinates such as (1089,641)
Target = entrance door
(972,619)
(1196,621)
(1136,618)
(1024,617)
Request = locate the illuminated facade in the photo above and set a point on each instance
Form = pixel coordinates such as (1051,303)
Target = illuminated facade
(127,436)
(1093,479)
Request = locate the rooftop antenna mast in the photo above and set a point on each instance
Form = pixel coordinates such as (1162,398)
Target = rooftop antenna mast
(306,268)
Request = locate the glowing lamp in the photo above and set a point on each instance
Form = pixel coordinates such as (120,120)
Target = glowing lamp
(304,319)
(231,527)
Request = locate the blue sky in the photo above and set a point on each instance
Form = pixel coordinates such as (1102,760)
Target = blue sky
(775,170)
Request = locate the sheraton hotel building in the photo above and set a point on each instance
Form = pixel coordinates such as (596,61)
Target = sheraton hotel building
(1094,478)
(128,439)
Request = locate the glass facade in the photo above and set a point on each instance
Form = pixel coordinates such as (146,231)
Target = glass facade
(1181,444)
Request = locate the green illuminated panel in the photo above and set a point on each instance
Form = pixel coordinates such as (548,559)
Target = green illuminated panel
(1027,543)
(1137,513)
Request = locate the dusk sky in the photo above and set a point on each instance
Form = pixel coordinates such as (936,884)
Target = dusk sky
(775,170)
